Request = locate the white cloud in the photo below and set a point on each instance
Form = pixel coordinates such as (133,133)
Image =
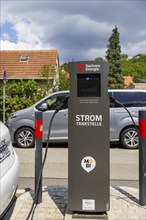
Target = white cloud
(7,45)
(134,48)
(26,33)
(77,29)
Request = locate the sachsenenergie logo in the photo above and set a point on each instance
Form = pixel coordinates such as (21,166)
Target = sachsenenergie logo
(88,67)
(81,67)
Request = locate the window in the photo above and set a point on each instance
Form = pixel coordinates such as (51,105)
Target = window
(131,99)
(110,94)
(112,103)
(54,101)
(24,58)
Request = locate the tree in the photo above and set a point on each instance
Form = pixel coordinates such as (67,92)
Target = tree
(64,77)
(113,55)
(46,82)
(50,79)
(135,67)
(20,94)
(99,59)
(64,66)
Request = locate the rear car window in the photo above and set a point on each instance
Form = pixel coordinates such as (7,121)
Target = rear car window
(131,99)
(112,103)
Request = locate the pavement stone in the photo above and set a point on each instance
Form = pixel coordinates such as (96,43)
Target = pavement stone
(124,205)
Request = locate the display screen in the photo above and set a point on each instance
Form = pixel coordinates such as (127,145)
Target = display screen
(88,85)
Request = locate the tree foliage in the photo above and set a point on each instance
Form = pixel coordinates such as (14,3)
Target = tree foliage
(135,66)
(24,93)
(113,55)
(50,78)
(64,79)
(45,73)
(99,59)
(19,94)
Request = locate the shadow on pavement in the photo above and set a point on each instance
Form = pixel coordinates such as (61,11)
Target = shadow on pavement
(126,194)
(59,195)
(9,212)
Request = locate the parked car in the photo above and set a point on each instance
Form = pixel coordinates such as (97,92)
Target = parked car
(9,170)
(21,123)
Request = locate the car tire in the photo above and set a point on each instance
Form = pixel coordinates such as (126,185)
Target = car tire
(25,137)
(129,138)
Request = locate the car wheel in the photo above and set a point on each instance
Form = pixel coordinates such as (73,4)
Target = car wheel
(25,137)
(129,138)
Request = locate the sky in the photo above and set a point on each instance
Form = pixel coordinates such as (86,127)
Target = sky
(78,29)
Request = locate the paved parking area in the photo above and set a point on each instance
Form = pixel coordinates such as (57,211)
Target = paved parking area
(123,166)
(124,200)
(124,205)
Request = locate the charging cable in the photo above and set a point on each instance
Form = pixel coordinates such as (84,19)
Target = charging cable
(116,101)
(58,108)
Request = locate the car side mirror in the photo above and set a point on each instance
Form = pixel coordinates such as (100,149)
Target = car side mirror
(43,107)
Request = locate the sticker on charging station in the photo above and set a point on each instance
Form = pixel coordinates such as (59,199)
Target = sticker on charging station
(88,204)
(88,163)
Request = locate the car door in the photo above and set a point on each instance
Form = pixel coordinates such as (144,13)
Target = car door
(133,101)
(59,129)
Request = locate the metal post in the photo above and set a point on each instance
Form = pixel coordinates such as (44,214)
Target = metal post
(142,158)
(38,156)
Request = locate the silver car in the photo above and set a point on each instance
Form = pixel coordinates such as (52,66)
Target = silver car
(21,123)
(9,170)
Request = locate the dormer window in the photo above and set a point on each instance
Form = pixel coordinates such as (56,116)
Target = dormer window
(24,58)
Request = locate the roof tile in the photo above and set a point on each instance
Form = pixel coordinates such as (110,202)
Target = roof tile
(16,69)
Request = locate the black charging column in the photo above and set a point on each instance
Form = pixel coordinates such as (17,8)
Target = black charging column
(88,184)
(142,158)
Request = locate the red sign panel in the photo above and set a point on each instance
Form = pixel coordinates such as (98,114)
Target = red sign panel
(142,128)
(38,129)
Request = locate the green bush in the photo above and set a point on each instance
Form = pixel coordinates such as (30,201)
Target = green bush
(20,94)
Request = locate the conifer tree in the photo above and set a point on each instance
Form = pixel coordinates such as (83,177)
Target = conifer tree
(113,55)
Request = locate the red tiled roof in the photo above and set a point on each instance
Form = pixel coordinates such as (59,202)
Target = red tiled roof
(37,59)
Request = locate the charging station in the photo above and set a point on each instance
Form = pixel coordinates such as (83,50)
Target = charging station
(88,126)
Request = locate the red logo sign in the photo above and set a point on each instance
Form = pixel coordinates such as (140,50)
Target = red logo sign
(81,67)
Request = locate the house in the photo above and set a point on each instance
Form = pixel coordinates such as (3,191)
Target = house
(129,84)
(128,80)
(28,64)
